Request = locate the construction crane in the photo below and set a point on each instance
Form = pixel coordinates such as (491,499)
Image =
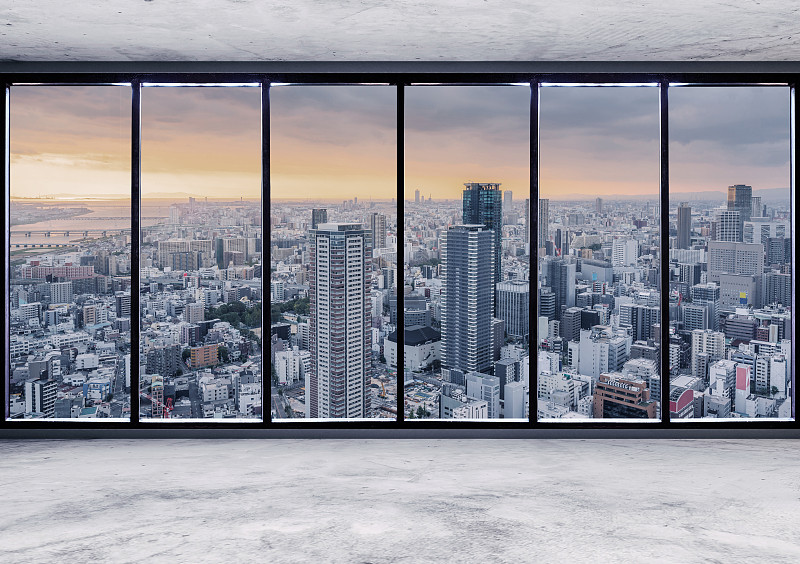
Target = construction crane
(383,392)
(165,408)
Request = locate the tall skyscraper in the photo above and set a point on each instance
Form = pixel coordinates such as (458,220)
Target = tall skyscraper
(740,198)
(467,298)
(318,215)
(684,226)
(482,205)
(544,222)
(416,196)
(378,227)
(340,333)
(508,199)
(598,205)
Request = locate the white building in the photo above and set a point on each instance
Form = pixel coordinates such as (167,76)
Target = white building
(340,336)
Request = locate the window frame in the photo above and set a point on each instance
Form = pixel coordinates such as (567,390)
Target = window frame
(398,75)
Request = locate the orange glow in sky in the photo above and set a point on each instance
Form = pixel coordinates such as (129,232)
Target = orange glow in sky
(339,142)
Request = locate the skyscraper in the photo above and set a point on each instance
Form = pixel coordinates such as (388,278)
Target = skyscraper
(416,196)
(482,205)
(467,298)
(740,198)
(544,222)
(508,199)
(684,226)
(340,332)
(598,205)
(318,215)
(378,228)
(513,300)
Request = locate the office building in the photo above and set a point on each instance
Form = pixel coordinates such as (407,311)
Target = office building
(734,258)
(619,397)
(340,315)
(513,300)
(707,347)
(484,387)
(684,239)
(729,225)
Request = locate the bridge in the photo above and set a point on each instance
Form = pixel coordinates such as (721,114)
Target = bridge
(39,245)
(68,232)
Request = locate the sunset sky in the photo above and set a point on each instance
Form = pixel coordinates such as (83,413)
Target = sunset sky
(338,142)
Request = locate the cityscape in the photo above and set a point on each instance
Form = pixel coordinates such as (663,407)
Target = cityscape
(338,297)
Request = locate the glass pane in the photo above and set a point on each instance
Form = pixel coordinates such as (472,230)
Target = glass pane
(201,238)
(466,261)
(70,252)
(334,251)
(730,253)
(598,254)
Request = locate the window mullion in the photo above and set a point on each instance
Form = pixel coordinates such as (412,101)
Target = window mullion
(136,158)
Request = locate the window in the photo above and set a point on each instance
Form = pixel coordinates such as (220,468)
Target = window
(659,215)
(599,254)
(200,254)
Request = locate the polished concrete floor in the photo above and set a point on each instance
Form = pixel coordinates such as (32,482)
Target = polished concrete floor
(398,501)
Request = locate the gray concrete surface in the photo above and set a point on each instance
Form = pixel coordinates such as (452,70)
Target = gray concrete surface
(398,501)
(399,30)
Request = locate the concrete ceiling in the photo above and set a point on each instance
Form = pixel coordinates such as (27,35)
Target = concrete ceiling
(400,30)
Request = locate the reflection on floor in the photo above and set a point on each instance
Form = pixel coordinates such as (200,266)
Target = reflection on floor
(400,501)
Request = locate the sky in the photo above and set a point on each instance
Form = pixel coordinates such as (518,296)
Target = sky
(339,142)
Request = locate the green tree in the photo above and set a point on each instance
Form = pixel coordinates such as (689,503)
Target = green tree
(186,354)
(224,354)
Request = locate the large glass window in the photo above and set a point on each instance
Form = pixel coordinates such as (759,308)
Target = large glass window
(69,330)
(340,308)
(730,253)
(598,254)
(201,254)
(333,252)
(466,252)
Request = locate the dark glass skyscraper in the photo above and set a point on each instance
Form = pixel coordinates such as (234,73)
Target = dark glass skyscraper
(740,198)
(684,225)
(483,205)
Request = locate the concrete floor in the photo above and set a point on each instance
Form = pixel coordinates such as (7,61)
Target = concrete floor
(399,30)
(400,501)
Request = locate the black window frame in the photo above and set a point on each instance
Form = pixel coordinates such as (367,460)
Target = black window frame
(398,75)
